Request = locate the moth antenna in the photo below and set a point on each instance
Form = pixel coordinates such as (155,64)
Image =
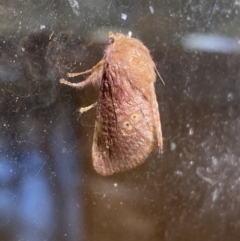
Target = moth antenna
(50,37)
(90,43)
(159,76)
(87,108)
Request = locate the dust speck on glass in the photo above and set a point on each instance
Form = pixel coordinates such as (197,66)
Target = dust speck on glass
(48,187)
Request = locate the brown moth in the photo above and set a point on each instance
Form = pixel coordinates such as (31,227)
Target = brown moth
(127,126)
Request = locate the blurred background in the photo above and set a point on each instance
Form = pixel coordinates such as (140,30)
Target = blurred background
(48,188)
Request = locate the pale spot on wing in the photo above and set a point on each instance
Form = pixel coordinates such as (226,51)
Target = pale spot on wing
(127,125)
(135,117)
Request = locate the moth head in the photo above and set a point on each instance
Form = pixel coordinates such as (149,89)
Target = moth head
(113,38)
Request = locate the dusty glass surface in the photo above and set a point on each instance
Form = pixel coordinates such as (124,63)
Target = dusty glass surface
(48,188)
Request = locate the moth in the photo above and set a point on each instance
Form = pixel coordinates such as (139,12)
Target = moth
(127,126)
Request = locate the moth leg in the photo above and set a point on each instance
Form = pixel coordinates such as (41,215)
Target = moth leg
(70,75)
(87,108)
(76,85)
(93,78)
(99,64)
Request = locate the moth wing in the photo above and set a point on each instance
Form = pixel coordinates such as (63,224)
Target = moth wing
(127,128)
(157,122)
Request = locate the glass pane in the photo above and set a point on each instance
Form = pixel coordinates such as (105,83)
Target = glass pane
(49,189)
